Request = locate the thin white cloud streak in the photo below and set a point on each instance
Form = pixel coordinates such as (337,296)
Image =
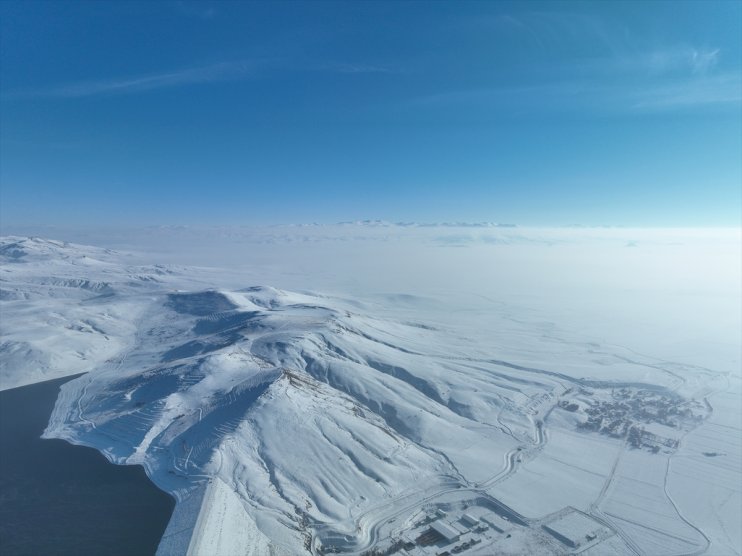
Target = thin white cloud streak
(660,79)
(674,60)
(552,30)
(224,71)
(595,94)
(202,74)
(618,48)
(723,88)
(620,72)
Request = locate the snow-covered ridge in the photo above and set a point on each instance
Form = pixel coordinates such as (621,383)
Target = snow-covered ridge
(34,249)
(66,307)
(318,422)
(253,385)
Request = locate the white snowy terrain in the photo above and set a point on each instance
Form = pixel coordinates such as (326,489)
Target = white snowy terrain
(337,416)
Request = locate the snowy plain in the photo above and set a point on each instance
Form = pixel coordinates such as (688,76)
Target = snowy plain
(310,388)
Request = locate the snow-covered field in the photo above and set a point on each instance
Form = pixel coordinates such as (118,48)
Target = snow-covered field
(314,388)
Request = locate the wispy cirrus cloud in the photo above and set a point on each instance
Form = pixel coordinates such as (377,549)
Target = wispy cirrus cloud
(555,30)
(136,84)
(719,89)
(579,61)
(600,67)
(695,60)
(580,94)
(672,60)
(223,71)
(591,38)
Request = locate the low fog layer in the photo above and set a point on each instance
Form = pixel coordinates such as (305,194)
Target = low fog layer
(668,292)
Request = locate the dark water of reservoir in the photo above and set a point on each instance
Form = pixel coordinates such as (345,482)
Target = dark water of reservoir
(60,499)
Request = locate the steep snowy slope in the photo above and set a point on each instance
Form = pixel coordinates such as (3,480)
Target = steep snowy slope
(294,399)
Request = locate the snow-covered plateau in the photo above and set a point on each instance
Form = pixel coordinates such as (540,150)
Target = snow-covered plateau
(371,389)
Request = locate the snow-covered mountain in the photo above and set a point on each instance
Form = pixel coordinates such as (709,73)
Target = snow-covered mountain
(288,422)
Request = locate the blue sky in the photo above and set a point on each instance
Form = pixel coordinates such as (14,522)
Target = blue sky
(554,113)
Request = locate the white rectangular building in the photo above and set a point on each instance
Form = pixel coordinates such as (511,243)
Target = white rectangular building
(470,520)
(445,530)
(575,529)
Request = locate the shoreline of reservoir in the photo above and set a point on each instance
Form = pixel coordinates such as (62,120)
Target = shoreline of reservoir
(59,498)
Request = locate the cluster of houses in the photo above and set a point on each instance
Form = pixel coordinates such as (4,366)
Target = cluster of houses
(635,414)
(439,533)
